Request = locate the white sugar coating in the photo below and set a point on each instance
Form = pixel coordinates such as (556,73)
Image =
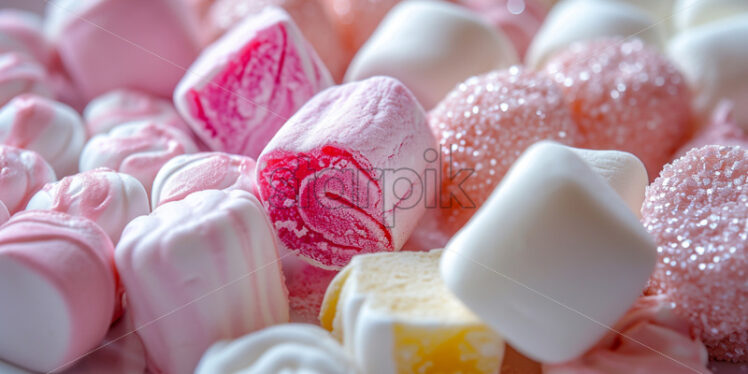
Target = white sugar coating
(625,96)
(697,210)
(486,122)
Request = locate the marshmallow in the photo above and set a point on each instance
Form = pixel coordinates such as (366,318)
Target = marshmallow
(52,129)
(431,47)
(551,258)
(577,20)
(693,13)
(57,286)
(308,15)
(245,86)
(393,312)
(136,148)
(106,197)
(20,74)
(714,60)
(110,44)
(24,173)
(345,175)
(186,174)
(4,214)
(288,348)
(121,106)
(622,170)
(306,286)
(21,31)
(197,271)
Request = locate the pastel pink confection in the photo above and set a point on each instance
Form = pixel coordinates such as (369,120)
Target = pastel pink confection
(356,20)
(197,271)
(57,286)
(104,196)
(21,31)
(4,214)
(345,175)
(138,148)
(484,125)
(310,16)
(22,174)
(306,285)
(721,130)
(147,43)
(697,211)
(625,95)
(186,174)
(52,129)
(121,352)
(518,19)
(20,74)
(62,86)
(245,86)
(124,105)
(430,233)
(649,339)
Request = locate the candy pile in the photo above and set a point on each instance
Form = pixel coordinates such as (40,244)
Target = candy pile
(374,187)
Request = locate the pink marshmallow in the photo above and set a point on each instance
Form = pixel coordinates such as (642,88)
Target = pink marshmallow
(110,44)
(306,285)
(197,271)
(121,106)
(20,74)
(186,174)
(57,286)
(52,129)
(345,175)
(21,31)
(245,86)
(104,196)
(23,174)
(136,148)
(4,214)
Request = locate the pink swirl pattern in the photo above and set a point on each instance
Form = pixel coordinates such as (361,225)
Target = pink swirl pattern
(22,32)
(22,174)
(20,74)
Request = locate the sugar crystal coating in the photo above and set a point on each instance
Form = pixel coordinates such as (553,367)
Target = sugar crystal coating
(484,125)
(625,95)
(697,210)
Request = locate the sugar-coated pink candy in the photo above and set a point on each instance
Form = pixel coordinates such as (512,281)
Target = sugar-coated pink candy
(306,285)
(186,174)
(649,339)
(484,125)
(20,74)
(197,271)
(722,129)
(137,148)
(57,286)
(110,44)
(625,95)
(519,20)
(23,174)
(245,86)
(52,129)
(104,196)
(310,16)
(21,31)
(345,175)
(124,105)
(697,211)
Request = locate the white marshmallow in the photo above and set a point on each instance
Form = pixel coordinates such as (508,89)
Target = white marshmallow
(288,348)
(431,46)
(551,258)
(693,13)
(576,20)
(714,60)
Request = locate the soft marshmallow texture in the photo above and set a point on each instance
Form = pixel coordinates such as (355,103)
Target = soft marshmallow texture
(57,286)
(431,46)
(121,106)
(24,173)
(197,271)
(104,196)
(551,258)
(21,31)
(288,348)
(345,175)
(20,74)
(248,83)
(393,312)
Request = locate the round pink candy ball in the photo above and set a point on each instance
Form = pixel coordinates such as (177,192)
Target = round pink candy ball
(697,211)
